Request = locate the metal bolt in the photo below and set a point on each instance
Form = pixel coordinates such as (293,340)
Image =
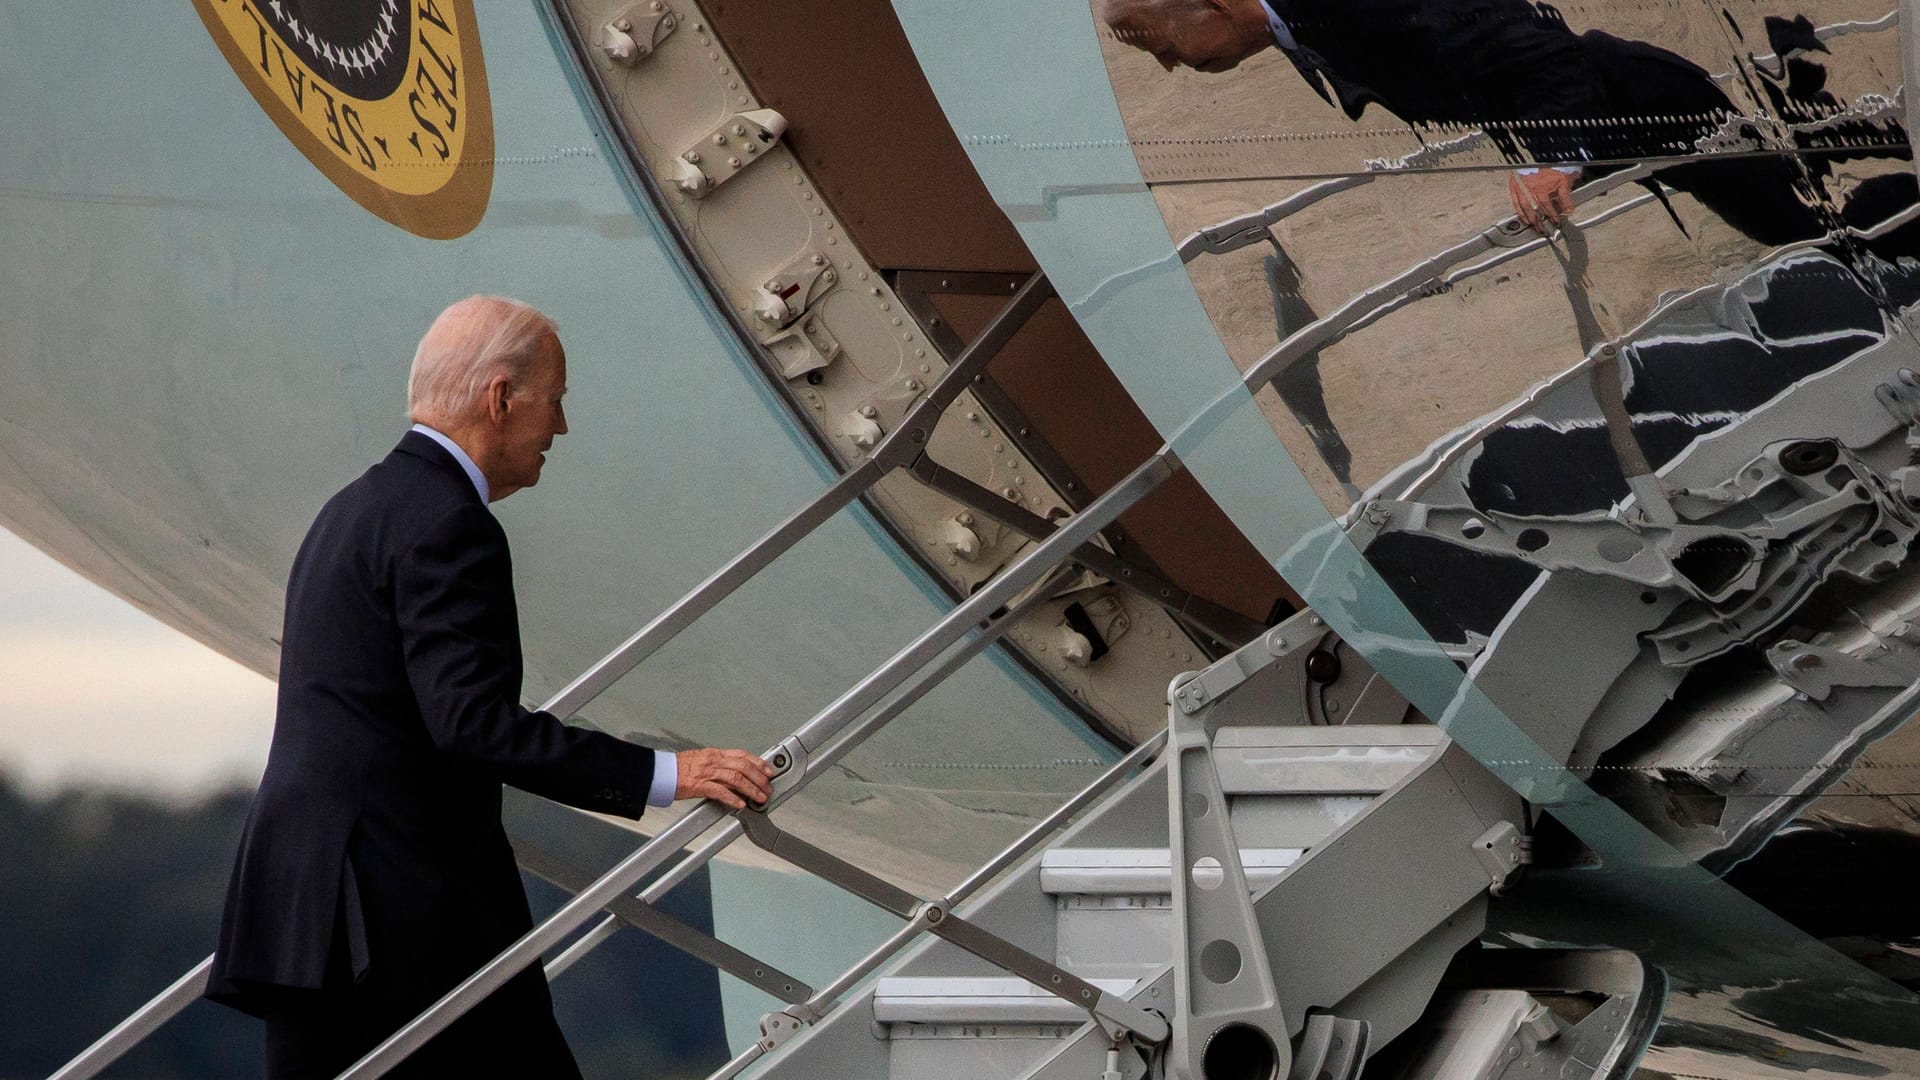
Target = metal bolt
(693,157)
(780,760)
(913,385)
(719,139)
(734,161)
(657,5)
(739,129)
(623,25)
(869,411)
(964,518)
(819,260)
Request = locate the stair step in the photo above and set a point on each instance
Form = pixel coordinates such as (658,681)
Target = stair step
(1334,760)
(1142,871)
(937,1000)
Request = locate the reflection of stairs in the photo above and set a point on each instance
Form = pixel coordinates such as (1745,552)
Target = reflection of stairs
(1359,853)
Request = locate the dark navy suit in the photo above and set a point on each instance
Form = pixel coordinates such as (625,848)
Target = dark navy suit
(374,874)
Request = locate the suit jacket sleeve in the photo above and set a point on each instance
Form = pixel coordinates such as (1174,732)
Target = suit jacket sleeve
(453,597)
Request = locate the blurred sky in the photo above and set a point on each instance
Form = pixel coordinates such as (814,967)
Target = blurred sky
(94,690)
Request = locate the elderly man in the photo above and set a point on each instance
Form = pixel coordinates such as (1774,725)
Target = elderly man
(374,874)
(1512,68)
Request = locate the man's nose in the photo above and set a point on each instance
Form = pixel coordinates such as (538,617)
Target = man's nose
(559,420)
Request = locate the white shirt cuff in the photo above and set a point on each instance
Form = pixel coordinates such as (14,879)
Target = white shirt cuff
(666,778)
(1570,170)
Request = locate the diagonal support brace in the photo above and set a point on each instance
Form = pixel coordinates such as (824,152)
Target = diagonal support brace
(1225,1004)
(645,917)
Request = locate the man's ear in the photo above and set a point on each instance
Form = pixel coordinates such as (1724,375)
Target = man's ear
(499,390)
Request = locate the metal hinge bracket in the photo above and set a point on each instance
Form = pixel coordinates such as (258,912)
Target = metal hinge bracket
(1503,850)
(726,150)
(794,288)
(635,33)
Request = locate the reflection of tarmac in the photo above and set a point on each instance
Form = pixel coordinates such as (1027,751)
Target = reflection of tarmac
(1397,386)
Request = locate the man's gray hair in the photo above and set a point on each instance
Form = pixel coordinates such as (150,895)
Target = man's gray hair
(471,343)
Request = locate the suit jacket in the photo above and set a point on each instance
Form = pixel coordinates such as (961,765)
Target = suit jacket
(1541,92)
(375,840)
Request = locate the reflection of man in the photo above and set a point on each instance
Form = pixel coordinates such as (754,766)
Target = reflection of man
(374,874)
(1508,67)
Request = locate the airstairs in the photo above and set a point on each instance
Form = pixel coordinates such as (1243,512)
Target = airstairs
(1350,866)
(1247,894)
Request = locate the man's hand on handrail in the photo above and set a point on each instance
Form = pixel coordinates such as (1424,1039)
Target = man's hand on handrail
(734,777)
(1542,198)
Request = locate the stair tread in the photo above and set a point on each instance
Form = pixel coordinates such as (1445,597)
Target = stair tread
(1313,770)
(1301,735)
(994,986)
(1158,857)
(936,999)
(1143,871)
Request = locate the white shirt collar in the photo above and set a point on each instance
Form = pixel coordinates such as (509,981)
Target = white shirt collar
(1282,36)
(466,463)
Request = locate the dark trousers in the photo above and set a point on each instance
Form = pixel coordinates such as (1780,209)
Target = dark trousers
(316,1034)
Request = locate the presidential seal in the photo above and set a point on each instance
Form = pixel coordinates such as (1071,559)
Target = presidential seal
(388,98)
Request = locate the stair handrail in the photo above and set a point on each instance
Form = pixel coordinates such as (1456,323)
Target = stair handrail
(732,829)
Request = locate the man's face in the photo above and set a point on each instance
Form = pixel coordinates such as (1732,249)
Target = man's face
(1200,34)
(534,416)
